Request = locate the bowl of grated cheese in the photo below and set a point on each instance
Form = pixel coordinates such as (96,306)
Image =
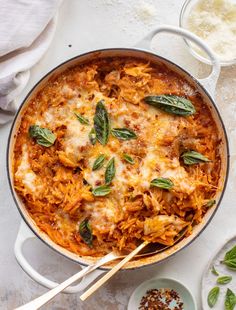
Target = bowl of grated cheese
(215,22)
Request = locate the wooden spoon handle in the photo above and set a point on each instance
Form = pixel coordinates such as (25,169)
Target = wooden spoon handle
(109,274)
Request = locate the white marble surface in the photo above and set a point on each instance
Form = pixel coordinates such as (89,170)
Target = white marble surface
(93,24)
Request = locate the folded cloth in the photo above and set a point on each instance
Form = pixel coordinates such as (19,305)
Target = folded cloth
(26,31)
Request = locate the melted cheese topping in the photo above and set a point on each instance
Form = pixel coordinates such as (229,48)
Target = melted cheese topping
(134,210)
(25,173)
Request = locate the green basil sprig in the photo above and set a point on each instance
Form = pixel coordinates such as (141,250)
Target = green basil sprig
(230,258)
(123,133)
(172,104)
(92,136)
(230,300)
(42,136)
(81,119)
(193,157)
(110,171)
(214,271)
(101,123)
(162,183)
(213,296)
(224,279)
(99,162)
(102,190)
(128,158)
(85,231)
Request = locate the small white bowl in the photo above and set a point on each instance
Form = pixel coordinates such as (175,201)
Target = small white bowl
(185,11)
(157,283)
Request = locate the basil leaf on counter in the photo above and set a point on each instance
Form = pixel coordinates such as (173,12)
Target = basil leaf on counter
(162,183)
(213,296)
(101,123)
(123,133)
(102,190)
(224,280)
(230,300)
(82,119)
(230,258)
(192,157)
(86,232)
(214,271)
(42,136)
(99,162)
(210,203)
(171,104)
(110,171)
(92,136)
(128,158)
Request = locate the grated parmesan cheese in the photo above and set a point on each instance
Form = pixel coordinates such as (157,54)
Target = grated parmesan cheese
(215,22)
(146,11)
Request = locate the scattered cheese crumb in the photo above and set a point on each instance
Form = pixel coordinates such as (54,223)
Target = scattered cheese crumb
(145,11)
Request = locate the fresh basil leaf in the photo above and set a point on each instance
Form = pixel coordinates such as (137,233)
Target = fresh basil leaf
(231,253)
(92,136)
(171,104)
(110,171)
(224,280)
(192,157)
(85,231)
(213,296)
(210,203)
(230,258)
(231,263)
(102,190)
(42,136)
(81,119)
(128,158)
(99,162)
(214,271)
(101,123)
(123,133)
(162,183)
(230,300)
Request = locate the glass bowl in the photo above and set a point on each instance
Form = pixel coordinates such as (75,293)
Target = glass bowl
(184,14)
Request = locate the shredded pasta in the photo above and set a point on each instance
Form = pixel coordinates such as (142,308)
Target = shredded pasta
(56,182)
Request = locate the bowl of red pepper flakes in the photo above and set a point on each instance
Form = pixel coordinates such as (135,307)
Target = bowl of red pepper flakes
(161,294)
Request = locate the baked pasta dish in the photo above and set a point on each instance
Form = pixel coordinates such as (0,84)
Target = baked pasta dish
(114,152)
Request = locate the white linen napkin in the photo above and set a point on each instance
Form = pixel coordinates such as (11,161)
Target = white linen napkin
(26,30)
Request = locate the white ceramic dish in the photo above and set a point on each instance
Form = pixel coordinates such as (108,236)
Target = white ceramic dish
(157,283)
(209,279)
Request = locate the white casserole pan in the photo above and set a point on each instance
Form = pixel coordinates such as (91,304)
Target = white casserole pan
(205,87)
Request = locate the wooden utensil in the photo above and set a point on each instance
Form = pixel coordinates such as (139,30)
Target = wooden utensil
(109,274)
(45,298)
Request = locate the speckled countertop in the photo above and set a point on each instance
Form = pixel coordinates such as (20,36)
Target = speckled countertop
(93,24)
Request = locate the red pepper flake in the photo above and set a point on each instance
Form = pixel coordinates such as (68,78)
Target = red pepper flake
(161,299)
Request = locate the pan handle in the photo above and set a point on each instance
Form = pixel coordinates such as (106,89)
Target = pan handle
(209,82)
(25,234)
